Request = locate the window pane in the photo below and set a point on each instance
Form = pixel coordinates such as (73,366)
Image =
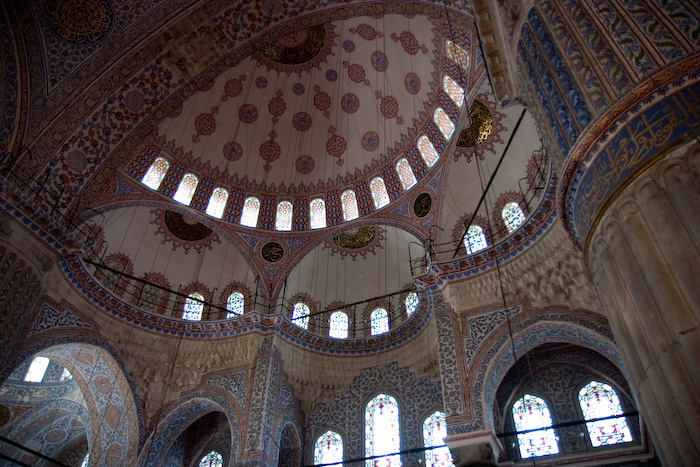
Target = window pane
(382,434)
(213,459)
(512,216)
(328,448)
(531,412)
(453,90)
(284,216)
(379,321)
(251,208)
(379,194)
(194,304)
(411,303)
(86,460)
(349,204)
(317,213)
(186,188)
(234,305)
(599,400)
(36,370)
(156,173)
(338,325)
(475,240)
(217,203)
(427,151)
(434,433)
(458,54)
(444,123)
(300,315)
(408,179)
(65,376)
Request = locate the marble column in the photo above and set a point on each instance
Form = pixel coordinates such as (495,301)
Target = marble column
(644,258)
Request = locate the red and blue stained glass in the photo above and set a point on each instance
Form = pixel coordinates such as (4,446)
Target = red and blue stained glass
(156,173)
(317,213)
(512,216)
(194,304)
(599,400)
(300,315)
(382,435)
(234,305)
(328,448)
(213,459)
(434,434)
(475,240)
(529,413)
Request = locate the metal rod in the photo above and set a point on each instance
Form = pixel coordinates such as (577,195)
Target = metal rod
(31,451)
(567,424)
(362,459)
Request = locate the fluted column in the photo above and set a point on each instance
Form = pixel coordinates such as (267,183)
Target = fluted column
(644,258)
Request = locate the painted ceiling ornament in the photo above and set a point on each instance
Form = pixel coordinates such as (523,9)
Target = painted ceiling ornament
(183,231)
(80,21)
(205,124)
(356,73)
(409,43)
(484,131)
(389,107)
(356,242)
(272,252)
(422,204)
(277,106)
(233,88)
(300,50)
(367,32)
(322,101)
(270,151)
(336,146)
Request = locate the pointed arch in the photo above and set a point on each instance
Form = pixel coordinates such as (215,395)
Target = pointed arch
(600,400)
(382,431)
(529,413)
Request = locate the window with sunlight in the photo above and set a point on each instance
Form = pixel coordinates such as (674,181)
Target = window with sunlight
(512,216)
(427,151)
(458,54)
(529,413)
(599,400)
(234,305)
(475,240)
(86,460)
(453,90)
(382,433)
(35,373)
(300,315)
(213,459)
(338,325)
(447,128)
(411,303)
(379,321)
(194,305)
(348,202)
(284,216)
(251,209)
(156,173)
(406,175)
(379,194)
(317,213)
(217,203)
(434,433)
(186,188)
(328,448)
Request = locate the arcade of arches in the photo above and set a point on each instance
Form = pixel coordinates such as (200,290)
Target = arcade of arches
(296,233)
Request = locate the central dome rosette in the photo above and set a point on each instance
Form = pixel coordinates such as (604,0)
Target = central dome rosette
(323,108)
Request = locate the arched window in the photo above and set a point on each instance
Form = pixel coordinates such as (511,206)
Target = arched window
(234,305)
(434,433)
(86,460)
(328,448)
(453,90)
(458,54)
(217,203)
(531,412)
(599,400)
(317,213)
(156,173)
(66,376)
(349,203)
(338,325)
(186,188)
(251,208)
(213,459)
(475,240)
(411,303)
(379,321)
(382,434)
(408,179)
(35,373)
(427,151)
(444,123)
(194,304)
(284,216)
(512,216)
(300,315)
(379,194)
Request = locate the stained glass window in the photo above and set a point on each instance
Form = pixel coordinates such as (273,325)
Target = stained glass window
(156,173)
(36,370)
(531,412)
(317,213)
(475,240)
(338,325)
(251,208)
(213,459)
(300,315)
(379,321)
(284,216)
(427,151)
(444,123)
(599,400)
(66,376)
(379,194)
(186,188)
(349,204)
(234,305)
(411,303)
(434,433)
(458,54)
(217,203)
(328,448)
(453,90)
(408,179)
(382,434)
(194,304)
(86,460)
(512,216)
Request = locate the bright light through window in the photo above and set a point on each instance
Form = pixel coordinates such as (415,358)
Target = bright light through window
(217,203)
(194,305)
(599,400)
(35,373)
(434,433)
(328,448)
(531,412)
(186,188)
(156,173)
(382,433)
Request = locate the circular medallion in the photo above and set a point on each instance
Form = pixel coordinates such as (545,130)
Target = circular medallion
(248,113)
(261,82)
(370,141)
(233,151)
(422,205)
(298,89)
(349,46)
(79,21)
(4,415)
(331,75)
(412,83)
(379,61)
(272,252)
(305,164)
(302,121)
(350,103)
